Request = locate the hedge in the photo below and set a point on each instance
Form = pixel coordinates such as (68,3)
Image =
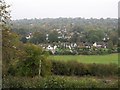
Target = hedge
(57,82)
(79,69)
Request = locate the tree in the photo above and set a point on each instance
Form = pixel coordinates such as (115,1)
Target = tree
(38,37)
(114,37)
(35,62)
(95,36)
(53,36)
(110,44)
(11,45)
(75,38)
(4,13)
(6,43)
(77,29)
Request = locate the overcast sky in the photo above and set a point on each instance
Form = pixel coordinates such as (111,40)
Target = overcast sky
(63,8)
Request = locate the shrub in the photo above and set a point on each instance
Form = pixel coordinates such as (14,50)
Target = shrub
(103,69)
(80,69)
(118,49)
(29,66)
(57,82)
(46,68)
(53,82)
(59,68)
(22,82)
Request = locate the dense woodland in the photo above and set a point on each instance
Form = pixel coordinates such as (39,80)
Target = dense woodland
(75,29)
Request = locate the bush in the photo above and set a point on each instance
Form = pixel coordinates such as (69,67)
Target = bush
(29,66)
(96,51)
(84,83)
(80,69)
(118,49)
(53,82)
(59,68)
(22,82)
(58,82)
(46,68)
(104,69)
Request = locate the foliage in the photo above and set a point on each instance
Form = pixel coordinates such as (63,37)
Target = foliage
(95,35)
(63,52)
(38,38)
(29,66)
(29,60)
(79,69)
(97,51)
(79,29)
(22,82)
(53,37)
(13,51)
(53,82)
(4,14)
(46,67)
(58,82)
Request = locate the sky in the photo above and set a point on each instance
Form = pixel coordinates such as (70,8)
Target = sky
(21,9)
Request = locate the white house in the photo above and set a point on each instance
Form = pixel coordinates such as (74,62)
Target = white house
(52,49)
(49,47)
(75,45)
(55,47)
(28,37)
(95,44)
(70,47)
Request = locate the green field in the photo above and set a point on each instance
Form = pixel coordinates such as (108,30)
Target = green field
(103,59)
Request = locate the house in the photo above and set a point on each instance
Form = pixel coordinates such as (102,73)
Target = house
(55,47)
(47,36)
(52,49)
(99,45)
(49,47)
(70,47)
(28,37)
(95,44)
(75,45)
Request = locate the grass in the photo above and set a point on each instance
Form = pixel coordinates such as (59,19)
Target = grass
(102,59)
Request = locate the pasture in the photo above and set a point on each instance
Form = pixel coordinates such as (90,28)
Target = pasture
(102,59)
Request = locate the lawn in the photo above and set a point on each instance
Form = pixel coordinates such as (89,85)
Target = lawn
(103,59)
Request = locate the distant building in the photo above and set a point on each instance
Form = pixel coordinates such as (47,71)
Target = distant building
(28,37)
(99,45)
(52,49)
(95,44)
